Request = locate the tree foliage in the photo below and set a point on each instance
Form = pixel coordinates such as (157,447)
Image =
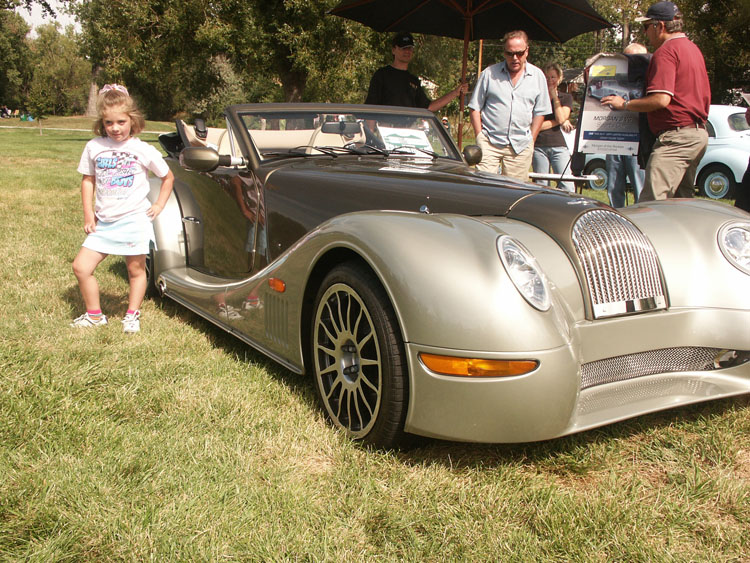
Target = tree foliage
(721,28)
(196,56)
(14,59)
(177,55)
(59,85)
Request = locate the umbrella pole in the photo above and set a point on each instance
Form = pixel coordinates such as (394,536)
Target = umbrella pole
(467,28)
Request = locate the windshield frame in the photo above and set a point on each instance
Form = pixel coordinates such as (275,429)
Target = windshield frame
(306,126)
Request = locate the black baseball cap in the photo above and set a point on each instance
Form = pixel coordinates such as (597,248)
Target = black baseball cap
(660,12)
(403,39)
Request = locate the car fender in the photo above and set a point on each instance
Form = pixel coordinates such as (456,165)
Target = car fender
(702,277)
(735,158)
(446,281)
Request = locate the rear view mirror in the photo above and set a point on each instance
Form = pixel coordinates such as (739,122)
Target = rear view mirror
(347,128)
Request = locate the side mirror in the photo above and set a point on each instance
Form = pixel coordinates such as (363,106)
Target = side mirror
(202,159)
(472,154)
(206,159)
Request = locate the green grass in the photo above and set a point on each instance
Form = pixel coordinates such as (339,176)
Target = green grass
(181,444)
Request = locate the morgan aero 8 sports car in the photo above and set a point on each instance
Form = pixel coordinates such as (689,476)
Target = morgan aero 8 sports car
(356,245)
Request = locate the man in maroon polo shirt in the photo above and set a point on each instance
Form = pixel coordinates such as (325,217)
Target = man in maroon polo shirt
(677,99)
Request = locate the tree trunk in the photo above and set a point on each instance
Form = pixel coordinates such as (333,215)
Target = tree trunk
(93,92)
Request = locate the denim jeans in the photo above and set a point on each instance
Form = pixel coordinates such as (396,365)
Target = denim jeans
(619,168)
(557,158)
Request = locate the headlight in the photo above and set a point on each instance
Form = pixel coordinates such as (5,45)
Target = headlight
(524,272)
(734,242)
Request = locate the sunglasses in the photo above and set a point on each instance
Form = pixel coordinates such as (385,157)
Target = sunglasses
(648,24)
(519,54)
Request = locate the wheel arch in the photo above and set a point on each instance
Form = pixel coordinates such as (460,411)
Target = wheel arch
(324,264)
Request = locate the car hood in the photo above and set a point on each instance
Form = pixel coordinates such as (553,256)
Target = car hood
(303,193)
(346,184)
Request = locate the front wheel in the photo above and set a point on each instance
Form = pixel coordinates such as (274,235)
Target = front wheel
(359,363)
(717,182)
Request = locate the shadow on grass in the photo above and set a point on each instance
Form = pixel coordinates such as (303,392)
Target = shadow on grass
(572,451)
(459,455)
(111,303)
(455,455)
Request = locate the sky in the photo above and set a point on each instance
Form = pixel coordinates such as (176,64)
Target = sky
(35,18)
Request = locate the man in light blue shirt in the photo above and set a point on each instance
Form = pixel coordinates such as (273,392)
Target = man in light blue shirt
(507,109)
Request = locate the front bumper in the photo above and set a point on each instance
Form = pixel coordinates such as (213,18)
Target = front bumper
(549,402)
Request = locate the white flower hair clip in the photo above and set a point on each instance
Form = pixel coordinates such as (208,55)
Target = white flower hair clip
(118,87)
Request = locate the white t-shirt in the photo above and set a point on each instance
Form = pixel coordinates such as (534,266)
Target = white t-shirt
(121,171)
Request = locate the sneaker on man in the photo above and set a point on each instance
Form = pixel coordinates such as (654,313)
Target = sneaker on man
(131,322)
(87,321)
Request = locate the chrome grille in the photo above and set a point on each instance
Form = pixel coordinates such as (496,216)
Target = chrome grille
(620,265)
(667,360)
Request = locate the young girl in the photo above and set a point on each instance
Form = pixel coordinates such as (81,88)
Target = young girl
(116,163)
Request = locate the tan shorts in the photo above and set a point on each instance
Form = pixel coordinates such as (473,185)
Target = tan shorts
(516,165)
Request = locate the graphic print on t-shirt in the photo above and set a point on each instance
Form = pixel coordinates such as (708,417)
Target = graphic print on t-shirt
(115,173)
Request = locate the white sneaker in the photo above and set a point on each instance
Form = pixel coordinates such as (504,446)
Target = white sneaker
(131,323)
(85,321)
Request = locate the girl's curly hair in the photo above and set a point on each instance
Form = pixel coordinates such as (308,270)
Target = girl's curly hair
(116,98)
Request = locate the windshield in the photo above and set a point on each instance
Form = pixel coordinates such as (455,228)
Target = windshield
(283,134)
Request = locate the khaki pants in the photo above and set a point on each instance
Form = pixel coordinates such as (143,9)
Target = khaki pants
(515,165)
(671,168)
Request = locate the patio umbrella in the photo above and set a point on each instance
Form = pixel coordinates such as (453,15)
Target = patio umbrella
(542,20)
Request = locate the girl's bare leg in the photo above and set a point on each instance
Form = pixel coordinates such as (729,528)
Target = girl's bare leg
(83,268)
(138,281)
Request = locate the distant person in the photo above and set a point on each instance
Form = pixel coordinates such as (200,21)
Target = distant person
(743,192)
(115,166)
(394,85)
(622,167)
(507,109)
(550,149)
(678,96)
(4,112)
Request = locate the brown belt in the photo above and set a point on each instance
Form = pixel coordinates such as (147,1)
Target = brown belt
(696,125)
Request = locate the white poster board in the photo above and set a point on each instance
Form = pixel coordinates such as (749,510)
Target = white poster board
(405,139)
(602,129)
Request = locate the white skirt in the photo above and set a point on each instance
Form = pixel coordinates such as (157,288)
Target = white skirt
(130,236)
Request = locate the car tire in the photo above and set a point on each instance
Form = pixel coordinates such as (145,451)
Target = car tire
(358,358)
(716,181)
(598,168)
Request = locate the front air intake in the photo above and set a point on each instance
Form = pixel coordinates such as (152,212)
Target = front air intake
(620,264)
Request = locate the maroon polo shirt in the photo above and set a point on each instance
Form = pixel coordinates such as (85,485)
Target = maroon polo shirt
(678,69)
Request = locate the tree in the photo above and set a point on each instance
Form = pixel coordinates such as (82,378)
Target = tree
(721,28)
(14,59)
(175,55)
(59,85)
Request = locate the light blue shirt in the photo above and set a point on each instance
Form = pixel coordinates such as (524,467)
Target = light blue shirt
(507,110)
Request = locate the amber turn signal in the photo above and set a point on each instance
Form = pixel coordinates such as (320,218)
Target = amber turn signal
(277,285)
(474,367)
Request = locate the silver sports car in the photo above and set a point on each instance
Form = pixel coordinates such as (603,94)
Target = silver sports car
(356,245)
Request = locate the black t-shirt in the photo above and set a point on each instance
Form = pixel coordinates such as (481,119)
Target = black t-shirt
(553,137)
(393,87)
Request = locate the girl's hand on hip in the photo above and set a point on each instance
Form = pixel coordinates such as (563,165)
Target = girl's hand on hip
(154,210)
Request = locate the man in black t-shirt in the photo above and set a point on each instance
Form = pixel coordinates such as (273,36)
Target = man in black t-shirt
(394,85)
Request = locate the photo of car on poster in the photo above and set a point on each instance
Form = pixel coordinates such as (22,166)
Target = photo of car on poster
(603,130)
